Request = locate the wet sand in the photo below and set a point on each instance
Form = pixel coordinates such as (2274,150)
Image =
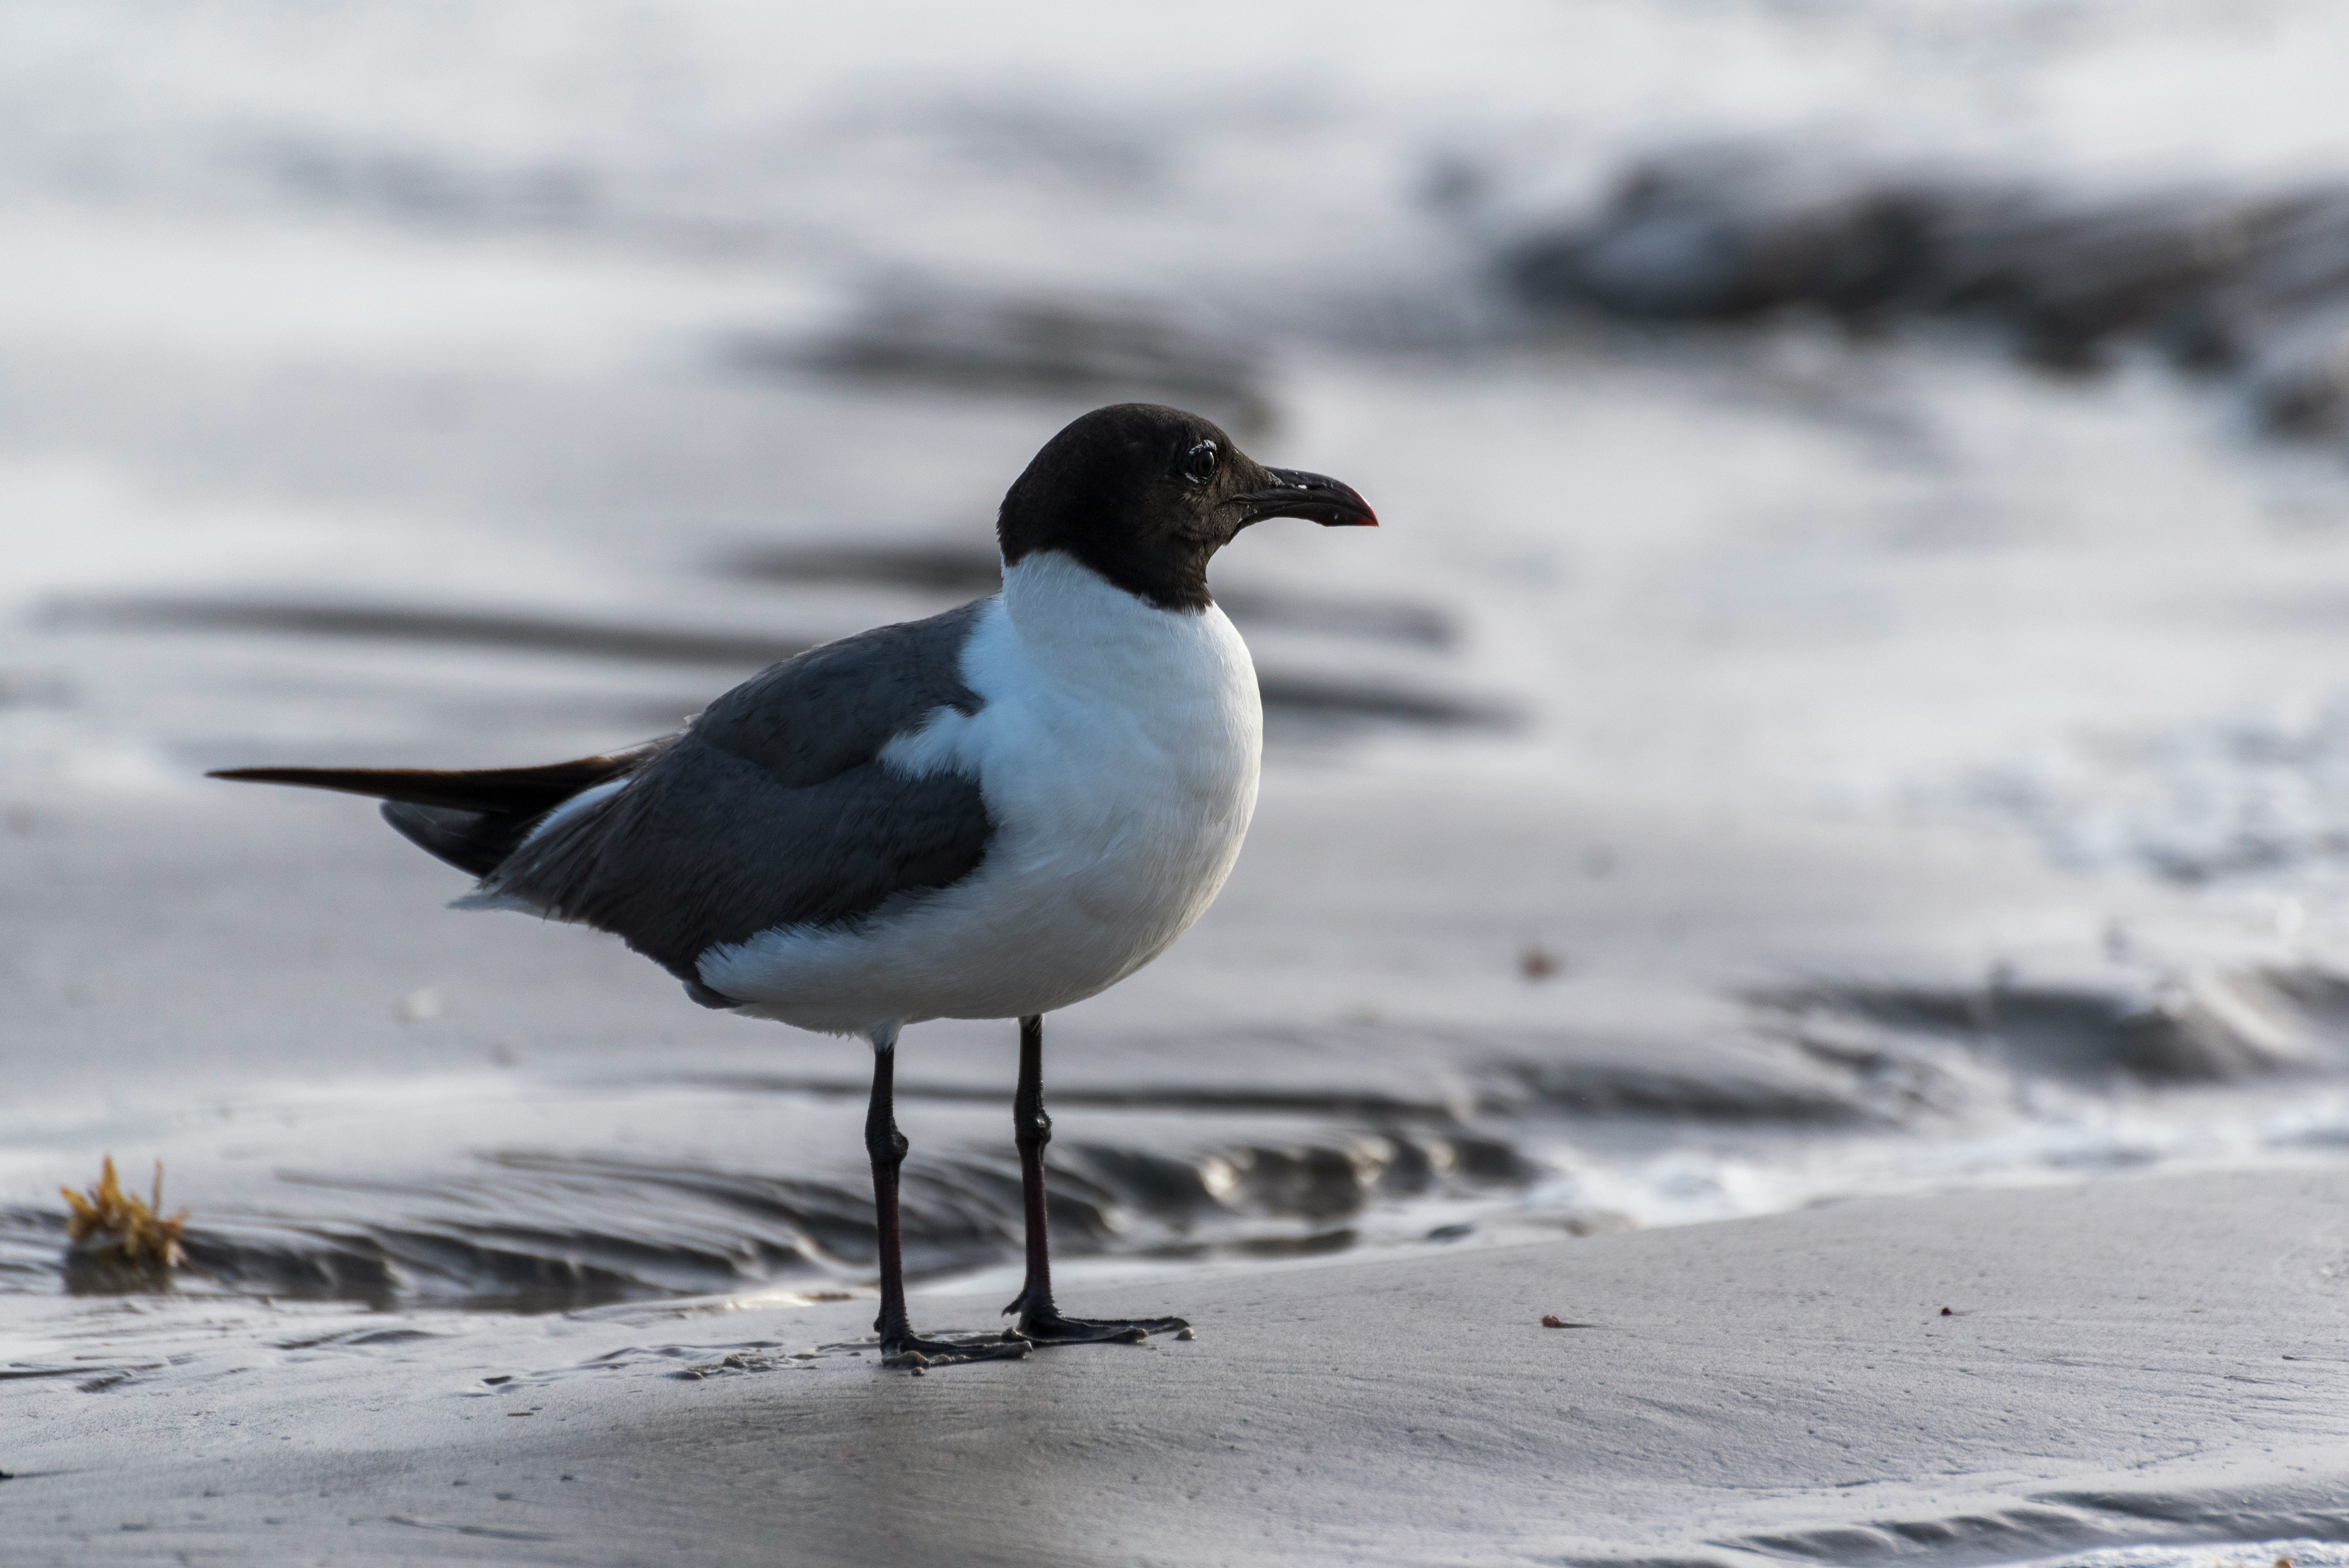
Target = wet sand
(2132,1363)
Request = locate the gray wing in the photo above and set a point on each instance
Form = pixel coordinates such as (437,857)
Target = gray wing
(772,809)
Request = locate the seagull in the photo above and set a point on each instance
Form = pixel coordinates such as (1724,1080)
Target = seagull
(992,813)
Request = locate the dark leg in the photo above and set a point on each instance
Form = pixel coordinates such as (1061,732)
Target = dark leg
(1039,1320)
(886,1145)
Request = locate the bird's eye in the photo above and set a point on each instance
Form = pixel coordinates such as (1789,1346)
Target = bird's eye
(1199,465)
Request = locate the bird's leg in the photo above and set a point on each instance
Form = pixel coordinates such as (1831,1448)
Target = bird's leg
(1039,1320)
(900,1346)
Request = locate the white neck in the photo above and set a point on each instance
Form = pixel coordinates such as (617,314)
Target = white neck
(1080,626)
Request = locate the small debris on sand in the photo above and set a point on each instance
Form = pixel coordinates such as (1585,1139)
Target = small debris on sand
(1187,1333)
(1552,1320)
(736,1362)
(1947,1313)
(120,1242)
(1539,962)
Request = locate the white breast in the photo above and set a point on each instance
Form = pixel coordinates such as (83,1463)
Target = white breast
(1117,748)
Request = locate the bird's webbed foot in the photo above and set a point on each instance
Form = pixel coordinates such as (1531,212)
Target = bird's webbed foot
(913,1350)
(1050,1328)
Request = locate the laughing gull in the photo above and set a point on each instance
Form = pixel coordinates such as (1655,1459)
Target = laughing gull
(991,813)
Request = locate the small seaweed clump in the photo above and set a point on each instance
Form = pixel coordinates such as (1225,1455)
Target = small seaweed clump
(121,1242)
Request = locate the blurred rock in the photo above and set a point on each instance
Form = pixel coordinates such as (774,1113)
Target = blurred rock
(2250,283)
(1720,236)
(2297,384)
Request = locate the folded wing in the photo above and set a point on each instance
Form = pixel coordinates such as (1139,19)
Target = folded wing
(772,809)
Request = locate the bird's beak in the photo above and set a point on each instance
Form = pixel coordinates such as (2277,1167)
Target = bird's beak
(1296,493)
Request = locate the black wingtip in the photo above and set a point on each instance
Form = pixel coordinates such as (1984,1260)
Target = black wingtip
(380,783)
(350,781)
(526,792)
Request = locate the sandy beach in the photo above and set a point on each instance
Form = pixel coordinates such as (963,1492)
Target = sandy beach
(2136,1363)
(1824,800)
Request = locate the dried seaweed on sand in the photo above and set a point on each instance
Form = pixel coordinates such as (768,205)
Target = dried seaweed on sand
(121,1241)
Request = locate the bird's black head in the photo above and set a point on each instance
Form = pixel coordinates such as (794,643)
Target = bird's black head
(1146,495)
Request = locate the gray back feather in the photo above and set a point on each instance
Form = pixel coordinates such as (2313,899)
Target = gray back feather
(772,809)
